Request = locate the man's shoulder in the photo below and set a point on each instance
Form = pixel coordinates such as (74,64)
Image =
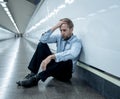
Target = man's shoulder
(75,38)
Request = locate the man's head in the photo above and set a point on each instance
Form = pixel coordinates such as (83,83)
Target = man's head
(66,28)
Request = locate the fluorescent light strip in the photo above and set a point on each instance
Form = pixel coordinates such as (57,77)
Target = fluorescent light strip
(9,14)
(51,14)
(3,4)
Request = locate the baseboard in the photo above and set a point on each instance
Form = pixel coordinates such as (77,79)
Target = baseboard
(106,85)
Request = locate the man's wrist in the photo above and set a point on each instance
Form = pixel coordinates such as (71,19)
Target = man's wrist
(54,28)
(52,56)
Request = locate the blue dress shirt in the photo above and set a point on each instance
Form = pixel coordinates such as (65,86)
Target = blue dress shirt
(66,49)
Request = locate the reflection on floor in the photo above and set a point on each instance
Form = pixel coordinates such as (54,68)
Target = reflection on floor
(15,55)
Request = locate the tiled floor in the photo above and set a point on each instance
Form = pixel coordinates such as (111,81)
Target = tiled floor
(15,55)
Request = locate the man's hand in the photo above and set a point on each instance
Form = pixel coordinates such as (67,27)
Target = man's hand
(46,61)
(57,25)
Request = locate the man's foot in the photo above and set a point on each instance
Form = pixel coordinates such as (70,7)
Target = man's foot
(28,82)
(30,75)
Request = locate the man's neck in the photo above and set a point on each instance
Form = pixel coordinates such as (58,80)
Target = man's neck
(68,37)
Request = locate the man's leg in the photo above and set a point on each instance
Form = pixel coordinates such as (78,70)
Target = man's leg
(64,71)
(41,53)
(61,70)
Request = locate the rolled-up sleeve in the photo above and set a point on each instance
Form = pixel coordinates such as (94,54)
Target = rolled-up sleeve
(47,37)
(72,53)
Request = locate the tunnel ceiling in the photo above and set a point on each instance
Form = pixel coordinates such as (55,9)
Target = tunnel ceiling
(21,11)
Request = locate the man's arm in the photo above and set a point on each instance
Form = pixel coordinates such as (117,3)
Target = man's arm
(57,26)
(72,53)
(46,61)
(47,37)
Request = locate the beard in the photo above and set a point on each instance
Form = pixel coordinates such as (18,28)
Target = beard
(66,38)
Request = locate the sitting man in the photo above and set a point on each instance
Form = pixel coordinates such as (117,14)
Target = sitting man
(58,65)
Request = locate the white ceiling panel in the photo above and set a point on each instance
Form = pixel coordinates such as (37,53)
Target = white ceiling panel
(21,11)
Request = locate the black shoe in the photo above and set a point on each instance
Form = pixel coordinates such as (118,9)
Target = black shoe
(30,75)
(28,82)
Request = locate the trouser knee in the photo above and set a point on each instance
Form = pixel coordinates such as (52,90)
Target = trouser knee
(40,44)
(43,47)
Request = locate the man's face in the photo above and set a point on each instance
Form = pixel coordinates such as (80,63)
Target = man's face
(66,32)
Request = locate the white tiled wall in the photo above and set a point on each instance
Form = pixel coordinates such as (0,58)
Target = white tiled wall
(5,34)
(96,22)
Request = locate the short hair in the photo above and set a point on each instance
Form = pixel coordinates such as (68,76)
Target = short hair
(68,21)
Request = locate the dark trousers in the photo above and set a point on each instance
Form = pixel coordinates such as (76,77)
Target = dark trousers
(60,70)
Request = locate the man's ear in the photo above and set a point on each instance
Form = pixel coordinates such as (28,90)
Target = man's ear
(71,29)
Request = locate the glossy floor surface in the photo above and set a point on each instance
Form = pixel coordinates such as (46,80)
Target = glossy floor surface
(15,55)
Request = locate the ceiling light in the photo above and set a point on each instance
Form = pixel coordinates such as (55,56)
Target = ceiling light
(6,9)
(3,3)
(69,1)
(1,0)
